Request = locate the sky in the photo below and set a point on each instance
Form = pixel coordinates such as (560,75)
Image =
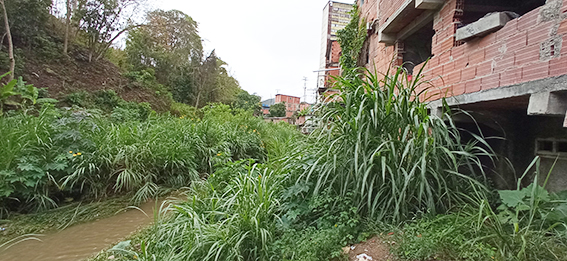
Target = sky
(270,46)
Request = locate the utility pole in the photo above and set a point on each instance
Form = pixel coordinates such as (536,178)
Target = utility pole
(305,89)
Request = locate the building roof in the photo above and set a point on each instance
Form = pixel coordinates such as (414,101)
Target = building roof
(268,102)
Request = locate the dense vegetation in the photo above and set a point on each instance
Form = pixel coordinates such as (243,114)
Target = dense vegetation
(56,153)
(378,163)
(67,48)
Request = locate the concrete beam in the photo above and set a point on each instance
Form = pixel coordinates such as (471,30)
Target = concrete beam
(548,103)
(483,26)
(551,84)
(428,4)
(386,38)
(416,24)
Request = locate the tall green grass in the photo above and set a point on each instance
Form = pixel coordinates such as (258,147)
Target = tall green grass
(86,154)
(378,145)
(235,225)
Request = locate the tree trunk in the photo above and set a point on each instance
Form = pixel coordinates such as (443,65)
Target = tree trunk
(10,44)
(198,97)
(67,25)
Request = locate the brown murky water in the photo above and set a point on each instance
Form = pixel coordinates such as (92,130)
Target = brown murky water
(81,241)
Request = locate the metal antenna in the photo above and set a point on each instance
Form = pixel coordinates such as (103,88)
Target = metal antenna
(305,89)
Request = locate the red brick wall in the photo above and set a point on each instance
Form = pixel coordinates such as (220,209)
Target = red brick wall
(508,56)
(291,102)
(380,55)
(335,52)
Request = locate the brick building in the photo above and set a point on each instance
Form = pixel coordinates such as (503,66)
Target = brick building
(505,61)
(336,16)
(291,103)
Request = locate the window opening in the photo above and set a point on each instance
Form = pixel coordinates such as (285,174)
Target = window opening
(417,47)
(476,9)
(551,147)
(544,146)
(562,146)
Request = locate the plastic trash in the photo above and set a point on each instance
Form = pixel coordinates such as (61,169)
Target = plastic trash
(363,257)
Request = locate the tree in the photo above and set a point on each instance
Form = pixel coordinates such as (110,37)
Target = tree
(278,110)
(247,101)
(171,46)
(28,22)
(10,43)
(102,21)
(206,78)
(168,43)
(70,7)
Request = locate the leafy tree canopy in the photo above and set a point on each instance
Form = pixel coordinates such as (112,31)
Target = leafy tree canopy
(278,110)
(247,101)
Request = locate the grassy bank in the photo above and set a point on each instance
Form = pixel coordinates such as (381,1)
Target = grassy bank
(378,163)
(54,154)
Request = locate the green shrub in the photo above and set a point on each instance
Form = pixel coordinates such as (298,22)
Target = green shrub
(80,98)
(309,244)
(182,109)
(379,143)
(237,225)
(528,225)
(29,164)
(107,100)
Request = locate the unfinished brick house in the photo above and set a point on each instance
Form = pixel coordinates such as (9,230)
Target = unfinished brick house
(505,61)
(336,16)
(291,103)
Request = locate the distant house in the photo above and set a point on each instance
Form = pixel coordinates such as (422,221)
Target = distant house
(291,102)
(266,105)
(297,112)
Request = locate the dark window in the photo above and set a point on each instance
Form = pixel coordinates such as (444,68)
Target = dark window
(545,145)
(476,9)
(562,146)
(417,47)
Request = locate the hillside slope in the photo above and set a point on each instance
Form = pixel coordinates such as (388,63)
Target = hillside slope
(74,74)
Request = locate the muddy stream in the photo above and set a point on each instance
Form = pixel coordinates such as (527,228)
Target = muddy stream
(81,241)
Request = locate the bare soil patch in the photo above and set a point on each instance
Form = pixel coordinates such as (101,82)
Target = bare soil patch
(376,247)
(67,75)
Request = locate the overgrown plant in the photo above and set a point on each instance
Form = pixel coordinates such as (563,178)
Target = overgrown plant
(351,38)
(379,143)
(87,154)
(6,92)
(529,224)
(235,225)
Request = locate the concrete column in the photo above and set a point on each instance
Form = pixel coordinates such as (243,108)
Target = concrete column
(548,103)
(436,111)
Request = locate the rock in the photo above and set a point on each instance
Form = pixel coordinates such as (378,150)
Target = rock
(50,72)
(111,257)
(346,250)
